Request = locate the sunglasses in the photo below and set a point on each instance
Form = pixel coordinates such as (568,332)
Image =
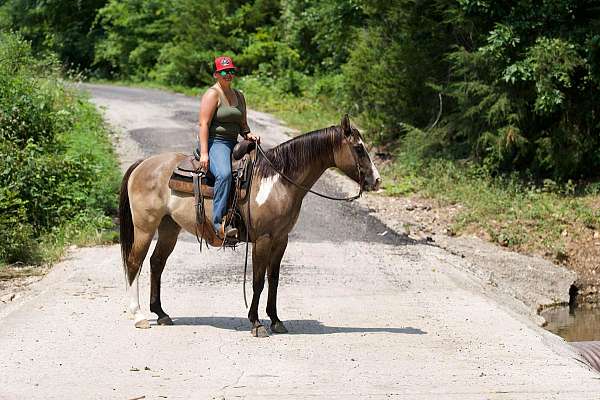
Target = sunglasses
(226,72)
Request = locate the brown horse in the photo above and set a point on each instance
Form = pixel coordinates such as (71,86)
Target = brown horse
(148,205)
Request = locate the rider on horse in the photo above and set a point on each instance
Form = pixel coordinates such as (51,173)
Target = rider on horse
(222,119)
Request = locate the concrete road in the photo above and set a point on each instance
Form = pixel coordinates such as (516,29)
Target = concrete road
(372,315)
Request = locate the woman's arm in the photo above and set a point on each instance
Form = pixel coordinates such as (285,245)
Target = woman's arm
(208,105)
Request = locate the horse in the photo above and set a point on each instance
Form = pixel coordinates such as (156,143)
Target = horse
(278,186)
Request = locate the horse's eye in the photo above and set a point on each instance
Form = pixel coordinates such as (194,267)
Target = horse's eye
(360,150)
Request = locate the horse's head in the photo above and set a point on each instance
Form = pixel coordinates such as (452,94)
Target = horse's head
(353,158)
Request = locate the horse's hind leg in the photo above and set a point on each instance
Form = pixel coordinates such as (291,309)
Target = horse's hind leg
(168,231)
(138,252)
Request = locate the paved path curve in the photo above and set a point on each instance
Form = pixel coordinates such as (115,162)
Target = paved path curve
(370,315)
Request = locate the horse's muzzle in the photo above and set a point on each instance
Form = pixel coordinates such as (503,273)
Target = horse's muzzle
(372,186)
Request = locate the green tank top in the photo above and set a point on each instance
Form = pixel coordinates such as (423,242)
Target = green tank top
(227,121)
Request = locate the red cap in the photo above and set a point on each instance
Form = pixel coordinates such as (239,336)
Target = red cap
(223,62)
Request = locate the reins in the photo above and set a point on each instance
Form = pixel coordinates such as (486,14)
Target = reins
(248,225)
(199,205)
(290,180)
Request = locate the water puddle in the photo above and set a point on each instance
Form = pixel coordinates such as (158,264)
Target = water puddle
(573,325)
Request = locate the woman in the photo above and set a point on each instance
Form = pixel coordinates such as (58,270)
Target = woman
(222,119)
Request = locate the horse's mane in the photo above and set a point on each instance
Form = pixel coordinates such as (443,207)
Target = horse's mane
(291,156)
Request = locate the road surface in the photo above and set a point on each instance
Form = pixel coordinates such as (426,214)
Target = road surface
(371,314)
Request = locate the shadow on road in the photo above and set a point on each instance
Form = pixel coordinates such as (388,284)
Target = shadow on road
(298,327)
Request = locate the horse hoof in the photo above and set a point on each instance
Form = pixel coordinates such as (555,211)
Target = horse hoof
(142,324)
(278,327)
(259,331)
(166,320)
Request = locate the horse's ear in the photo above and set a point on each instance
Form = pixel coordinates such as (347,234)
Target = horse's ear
(345,125)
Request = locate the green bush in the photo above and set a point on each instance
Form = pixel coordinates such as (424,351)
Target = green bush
(524,92)
(135,31)
(396,66)
(520,86)
(171,41)
(63,27)
(57,166)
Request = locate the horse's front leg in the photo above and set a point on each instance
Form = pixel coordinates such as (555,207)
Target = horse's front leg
(273,277)
(261,254)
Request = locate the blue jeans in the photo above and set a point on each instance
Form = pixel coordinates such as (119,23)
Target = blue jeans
(219,156)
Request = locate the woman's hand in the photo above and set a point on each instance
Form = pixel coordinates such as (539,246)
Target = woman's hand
(253,137)
(204,162)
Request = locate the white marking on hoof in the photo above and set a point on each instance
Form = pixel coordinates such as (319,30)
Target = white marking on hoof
(142,324)
(266,186)
(134,305)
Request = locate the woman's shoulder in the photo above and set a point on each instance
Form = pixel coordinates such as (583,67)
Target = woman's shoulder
(211,91)
(211,94)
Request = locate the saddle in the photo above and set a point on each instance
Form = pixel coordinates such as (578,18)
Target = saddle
(187,177)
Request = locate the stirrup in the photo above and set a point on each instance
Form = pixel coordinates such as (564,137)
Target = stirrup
(227,232)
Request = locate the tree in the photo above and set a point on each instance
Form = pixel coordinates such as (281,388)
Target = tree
(64,27)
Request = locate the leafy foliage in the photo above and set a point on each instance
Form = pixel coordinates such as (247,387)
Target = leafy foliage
(135,33)
(526,97)
(397,65)
(61,27)
(505,84)
(48,175)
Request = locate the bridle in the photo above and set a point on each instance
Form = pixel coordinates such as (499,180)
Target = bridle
(290,180)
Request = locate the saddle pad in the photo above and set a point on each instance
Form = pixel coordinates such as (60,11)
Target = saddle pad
(187,186)
(182,177)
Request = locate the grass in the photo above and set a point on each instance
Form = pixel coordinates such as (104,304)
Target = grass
(304,113)
(536,218)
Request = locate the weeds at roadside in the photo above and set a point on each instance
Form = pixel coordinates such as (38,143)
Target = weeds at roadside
(59,174)
(9,272)
(526,217)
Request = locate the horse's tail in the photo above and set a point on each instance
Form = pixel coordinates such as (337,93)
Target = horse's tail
(125,219)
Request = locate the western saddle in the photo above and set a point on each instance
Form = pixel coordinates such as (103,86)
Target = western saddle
(187,177)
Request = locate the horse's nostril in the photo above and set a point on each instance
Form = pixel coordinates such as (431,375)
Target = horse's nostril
(372,185)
